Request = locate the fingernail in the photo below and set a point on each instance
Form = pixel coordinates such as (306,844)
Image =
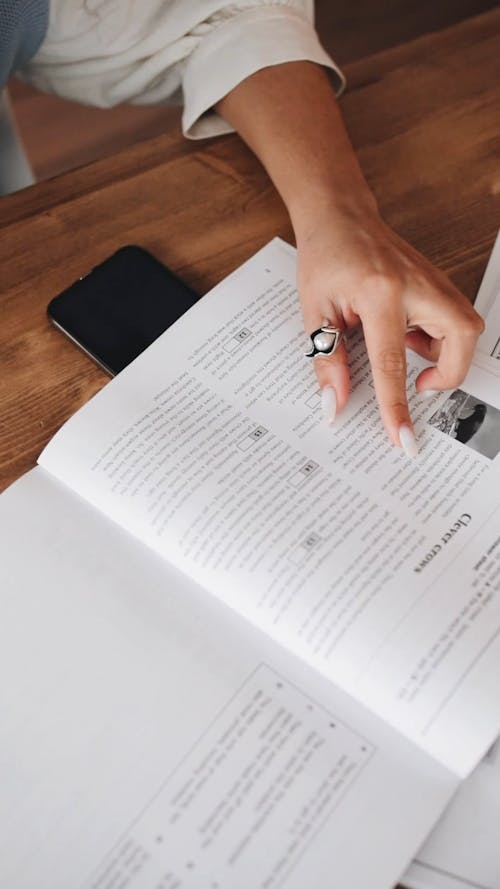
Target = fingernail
(329,404)
(428,393)
(408,441)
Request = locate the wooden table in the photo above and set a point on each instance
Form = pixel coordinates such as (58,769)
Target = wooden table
(425,120)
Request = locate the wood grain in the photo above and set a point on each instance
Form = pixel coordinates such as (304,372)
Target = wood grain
(354,31)
(424,119)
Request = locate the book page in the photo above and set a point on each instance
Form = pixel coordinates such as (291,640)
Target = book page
(488,355)
(150,738)
(490,284)
(462,852)
(487,304)
(379,571)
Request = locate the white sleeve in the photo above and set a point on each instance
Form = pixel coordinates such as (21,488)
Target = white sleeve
(176,51)
(238,46)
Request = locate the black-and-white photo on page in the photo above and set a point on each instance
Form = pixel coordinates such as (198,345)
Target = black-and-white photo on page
(470,421)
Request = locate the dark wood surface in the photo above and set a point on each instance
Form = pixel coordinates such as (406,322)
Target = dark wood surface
(424,119)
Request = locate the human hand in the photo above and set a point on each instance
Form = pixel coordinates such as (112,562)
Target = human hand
(352,269)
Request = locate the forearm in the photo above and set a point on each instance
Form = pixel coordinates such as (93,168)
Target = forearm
(289,117)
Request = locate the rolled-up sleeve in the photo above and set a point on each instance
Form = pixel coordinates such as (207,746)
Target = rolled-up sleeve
(171,51)
(248,41)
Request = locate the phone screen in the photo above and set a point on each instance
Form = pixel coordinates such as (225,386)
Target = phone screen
(121,306)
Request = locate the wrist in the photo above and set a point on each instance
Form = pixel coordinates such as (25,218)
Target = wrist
(346,208)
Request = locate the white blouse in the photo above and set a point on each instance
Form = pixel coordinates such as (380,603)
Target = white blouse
(189,52)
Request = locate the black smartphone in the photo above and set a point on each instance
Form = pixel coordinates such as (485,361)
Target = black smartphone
(120,307)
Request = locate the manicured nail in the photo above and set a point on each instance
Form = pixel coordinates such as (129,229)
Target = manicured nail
(408,441)
(329,404)
(428,393)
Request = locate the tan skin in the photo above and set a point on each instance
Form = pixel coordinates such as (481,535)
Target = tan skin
(352,268)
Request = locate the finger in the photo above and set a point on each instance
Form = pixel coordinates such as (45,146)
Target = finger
(455,356)
(332,371)
(385,343)
(423,344)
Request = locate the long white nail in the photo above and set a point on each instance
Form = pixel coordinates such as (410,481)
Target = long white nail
(329,404)
(408,441)
(428,393)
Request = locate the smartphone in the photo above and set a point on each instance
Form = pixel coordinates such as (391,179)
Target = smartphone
(120,307)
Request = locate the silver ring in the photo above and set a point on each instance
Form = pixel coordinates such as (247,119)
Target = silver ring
(325,340)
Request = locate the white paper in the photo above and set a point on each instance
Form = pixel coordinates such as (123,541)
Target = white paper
(487,304)
(380,572)
(490,285)
(463,851)
(150,738)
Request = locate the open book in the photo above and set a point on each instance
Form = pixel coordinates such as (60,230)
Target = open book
(241,649)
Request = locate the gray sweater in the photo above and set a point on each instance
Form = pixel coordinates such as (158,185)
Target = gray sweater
(23,25)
